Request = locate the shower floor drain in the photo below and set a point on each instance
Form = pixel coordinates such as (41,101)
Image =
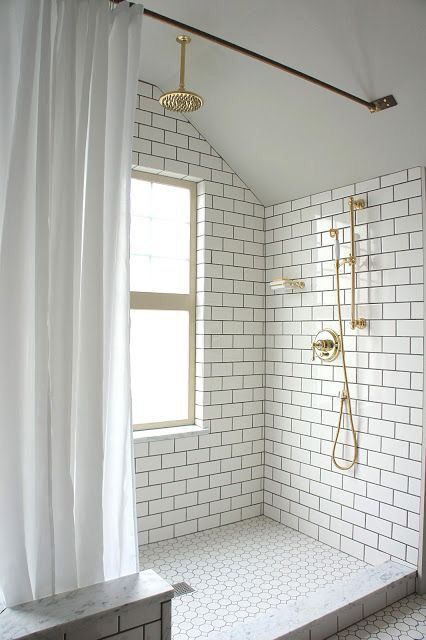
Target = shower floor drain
(182,588)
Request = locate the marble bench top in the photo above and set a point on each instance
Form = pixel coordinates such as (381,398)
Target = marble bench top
(56,611)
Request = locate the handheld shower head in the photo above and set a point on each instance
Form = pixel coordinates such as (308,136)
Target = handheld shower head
(335,234)
(337,249)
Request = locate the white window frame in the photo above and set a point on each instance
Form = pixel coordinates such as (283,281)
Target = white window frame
(175,301)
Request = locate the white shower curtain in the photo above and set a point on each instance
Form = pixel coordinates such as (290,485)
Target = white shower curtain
(68,78)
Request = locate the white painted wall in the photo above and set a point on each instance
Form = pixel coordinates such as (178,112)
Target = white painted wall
(286,137)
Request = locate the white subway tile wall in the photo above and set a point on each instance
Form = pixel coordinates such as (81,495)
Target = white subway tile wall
(371,512)
(276,458)
(202,481)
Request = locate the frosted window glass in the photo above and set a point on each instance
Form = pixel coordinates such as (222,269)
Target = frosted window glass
(159,365)
(140,196)
(162,238)
(169,202)
(169,275)
(159,238)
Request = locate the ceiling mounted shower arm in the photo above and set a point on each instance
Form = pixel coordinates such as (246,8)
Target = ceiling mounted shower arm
(373,106)
(183,40)
(181,100)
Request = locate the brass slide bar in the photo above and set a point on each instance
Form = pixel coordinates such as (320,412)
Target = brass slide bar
(356,323)
(373,106)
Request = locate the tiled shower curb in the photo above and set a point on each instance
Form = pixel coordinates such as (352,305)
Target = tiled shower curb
(330,610)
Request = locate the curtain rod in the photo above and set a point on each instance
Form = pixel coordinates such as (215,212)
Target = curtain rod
(373,106)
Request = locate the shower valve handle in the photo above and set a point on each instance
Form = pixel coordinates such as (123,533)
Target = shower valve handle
(322,345)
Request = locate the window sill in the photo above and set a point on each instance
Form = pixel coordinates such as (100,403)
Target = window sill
(168,433)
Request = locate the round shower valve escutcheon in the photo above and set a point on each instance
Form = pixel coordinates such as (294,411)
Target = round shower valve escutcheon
(326,345)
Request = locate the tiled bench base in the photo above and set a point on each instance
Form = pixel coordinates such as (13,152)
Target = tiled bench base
(319,616)
(136,607)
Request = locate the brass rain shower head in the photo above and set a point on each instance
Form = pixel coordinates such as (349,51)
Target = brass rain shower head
(181,100)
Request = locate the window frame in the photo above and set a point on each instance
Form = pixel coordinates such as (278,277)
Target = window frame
(175,301)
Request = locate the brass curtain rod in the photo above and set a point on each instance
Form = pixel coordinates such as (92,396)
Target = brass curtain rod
(374,106)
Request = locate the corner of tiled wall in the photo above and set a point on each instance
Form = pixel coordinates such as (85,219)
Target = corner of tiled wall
(371,512)
(193,483)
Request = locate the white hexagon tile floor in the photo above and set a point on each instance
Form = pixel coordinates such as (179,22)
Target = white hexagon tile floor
(405,620)
(242,570)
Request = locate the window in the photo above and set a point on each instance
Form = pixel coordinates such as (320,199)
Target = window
(162,285)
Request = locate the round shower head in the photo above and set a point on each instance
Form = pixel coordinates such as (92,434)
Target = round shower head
(181,99)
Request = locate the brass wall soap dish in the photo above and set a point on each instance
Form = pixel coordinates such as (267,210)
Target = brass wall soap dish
(286,283)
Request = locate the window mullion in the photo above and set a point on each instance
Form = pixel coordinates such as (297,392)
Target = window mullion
(161,301)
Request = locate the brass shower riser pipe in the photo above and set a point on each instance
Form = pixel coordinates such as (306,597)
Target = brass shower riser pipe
(373,106)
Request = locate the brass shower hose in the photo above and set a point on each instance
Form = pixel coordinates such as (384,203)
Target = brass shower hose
(345,392)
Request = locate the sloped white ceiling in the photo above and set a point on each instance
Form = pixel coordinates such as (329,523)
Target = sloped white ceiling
(285,137)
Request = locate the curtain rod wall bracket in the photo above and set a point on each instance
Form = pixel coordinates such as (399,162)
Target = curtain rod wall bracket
(382,103)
